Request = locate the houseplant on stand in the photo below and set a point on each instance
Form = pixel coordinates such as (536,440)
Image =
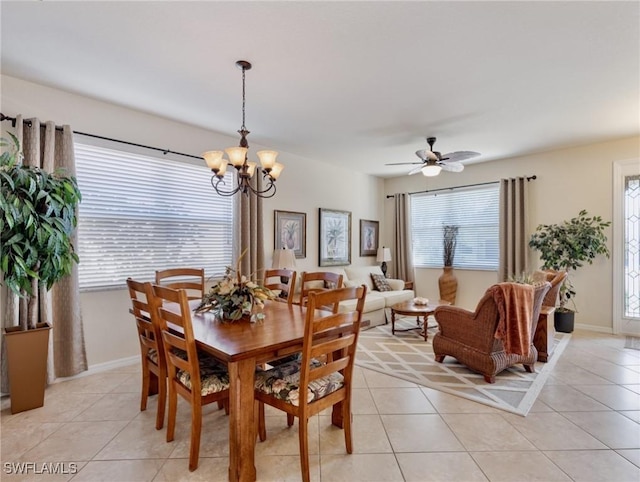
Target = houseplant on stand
(447,282)
(567,246)
(38,218)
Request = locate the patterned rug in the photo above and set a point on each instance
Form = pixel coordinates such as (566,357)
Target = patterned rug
(407,356)
(632,342)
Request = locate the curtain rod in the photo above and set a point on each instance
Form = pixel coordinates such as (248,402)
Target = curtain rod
(58,128)
(529,178)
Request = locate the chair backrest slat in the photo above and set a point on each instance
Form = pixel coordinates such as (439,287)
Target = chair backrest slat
(190,279)
(317,282)
(274,279)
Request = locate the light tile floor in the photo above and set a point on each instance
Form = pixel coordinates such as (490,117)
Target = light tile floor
(585,426)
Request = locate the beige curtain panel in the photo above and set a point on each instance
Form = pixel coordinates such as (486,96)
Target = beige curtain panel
(252,233)
(402,257)
(48,148)
(514,238)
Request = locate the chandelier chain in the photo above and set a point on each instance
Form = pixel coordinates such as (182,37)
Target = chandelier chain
(243,99)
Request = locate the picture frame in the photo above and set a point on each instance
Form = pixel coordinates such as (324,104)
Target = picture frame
(290,231)
(369,237)
(334,237)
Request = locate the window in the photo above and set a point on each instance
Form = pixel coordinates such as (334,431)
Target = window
(632,247)
(140,213)
(473,210)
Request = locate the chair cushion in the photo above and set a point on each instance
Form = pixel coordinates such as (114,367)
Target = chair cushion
(153,355)
(214,376)
(283,382)
(380,282)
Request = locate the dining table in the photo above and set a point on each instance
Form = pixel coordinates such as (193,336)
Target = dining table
(242,346)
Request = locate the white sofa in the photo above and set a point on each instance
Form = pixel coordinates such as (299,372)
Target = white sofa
(377,303)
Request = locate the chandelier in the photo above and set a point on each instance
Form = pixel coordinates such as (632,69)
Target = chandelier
(238,159)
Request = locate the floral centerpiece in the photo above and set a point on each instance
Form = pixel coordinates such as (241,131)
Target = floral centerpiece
(235,296)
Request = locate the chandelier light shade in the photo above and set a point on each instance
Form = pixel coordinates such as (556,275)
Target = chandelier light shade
(237,157)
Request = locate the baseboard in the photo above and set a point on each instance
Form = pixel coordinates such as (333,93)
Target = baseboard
(102,367)
(599,329)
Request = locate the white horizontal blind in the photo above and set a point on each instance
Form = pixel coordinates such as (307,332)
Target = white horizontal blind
(139,214)
(473,210)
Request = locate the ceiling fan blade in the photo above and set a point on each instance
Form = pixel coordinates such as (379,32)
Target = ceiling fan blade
(451,166)
(401,163)
(415,170)
(459,155)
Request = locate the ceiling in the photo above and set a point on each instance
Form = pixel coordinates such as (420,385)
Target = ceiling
(359,84)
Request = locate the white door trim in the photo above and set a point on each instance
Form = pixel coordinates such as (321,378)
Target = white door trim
(620,323)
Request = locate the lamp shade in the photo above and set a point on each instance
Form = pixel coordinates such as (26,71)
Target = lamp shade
(431,170)
(283,259)
(384,254)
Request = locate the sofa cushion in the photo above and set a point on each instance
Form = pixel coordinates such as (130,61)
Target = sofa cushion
(393,297)
(396,284)
(372,302)
(362,274)
(380,282)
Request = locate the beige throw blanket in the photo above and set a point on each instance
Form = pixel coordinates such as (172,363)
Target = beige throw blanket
(515,307)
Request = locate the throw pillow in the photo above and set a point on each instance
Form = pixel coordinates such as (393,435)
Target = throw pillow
(380,282)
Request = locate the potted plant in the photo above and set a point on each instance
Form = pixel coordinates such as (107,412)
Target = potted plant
(37,221)
(447,282)
(567,246)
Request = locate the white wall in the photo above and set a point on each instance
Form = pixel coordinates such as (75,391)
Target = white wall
(568,180)
(304,186)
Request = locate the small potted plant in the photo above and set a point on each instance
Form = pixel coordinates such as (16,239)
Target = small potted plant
(38,217)
(567,246)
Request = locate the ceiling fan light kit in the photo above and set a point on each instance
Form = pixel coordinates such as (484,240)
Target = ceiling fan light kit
(432,162)
(431,170)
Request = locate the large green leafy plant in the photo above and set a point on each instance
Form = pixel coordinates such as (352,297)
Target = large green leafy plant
(38,218)
(567,246)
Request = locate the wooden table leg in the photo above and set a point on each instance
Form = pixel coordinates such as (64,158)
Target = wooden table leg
(393,322)
(426,325)
(242,429)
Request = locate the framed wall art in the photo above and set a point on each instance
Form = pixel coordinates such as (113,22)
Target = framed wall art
(335,237)
(368,237)
(290,231)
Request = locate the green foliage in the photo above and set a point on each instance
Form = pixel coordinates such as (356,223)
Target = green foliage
(567,246)
(38,217)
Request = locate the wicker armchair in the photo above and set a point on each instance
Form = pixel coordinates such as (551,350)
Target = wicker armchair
(470,336)
(556,278)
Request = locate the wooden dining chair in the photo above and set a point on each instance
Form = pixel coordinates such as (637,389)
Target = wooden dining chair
(305,387)
(316,281)
(274,279)
(154,365)
(199,379)
(190,279)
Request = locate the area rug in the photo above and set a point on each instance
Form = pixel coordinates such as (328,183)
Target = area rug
(632,342)
(407,356)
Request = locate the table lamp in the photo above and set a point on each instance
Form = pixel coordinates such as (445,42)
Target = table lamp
(384,255)
(284,259)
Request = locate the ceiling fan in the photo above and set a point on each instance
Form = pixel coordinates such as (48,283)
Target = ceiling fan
(432,162)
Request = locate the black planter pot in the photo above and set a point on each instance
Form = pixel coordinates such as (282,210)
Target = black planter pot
(563,321)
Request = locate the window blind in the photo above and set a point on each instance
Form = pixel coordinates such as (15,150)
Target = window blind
(139,214)
(473,210)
